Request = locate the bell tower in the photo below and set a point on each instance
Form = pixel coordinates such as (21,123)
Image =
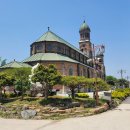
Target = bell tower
(84,43)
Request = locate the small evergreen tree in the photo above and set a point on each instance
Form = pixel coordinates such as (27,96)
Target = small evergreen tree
(47,76)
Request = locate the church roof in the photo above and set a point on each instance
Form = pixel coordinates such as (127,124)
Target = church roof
(48,57)
(50,36)
(38,57)
(84,26)
(14,64)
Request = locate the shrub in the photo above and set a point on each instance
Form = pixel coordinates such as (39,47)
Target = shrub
(56,101)
(121,93)
(82,95)
(88,102)
(118,95)
(10,95)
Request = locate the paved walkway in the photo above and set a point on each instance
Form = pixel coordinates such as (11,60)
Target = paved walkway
(117,119)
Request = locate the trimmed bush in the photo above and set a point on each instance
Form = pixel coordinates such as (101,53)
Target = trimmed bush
(88,102)
(10,95)
(56,101)
(82,95)
(121,93)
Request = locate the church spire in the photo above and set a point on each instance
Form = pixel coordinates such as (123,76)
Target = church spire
(84,43)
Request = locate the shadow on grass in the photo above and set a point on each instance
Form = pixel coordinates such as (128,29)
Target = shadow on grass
(52,101)
(29,99)
(9,100)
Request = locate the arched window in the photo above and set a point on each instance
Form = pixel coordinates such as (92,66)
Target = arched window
(84,72)
(81,73)
(71,71)
(63,69)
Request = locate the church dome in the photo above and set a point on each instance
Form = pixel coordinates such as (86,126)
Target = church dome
(84,26)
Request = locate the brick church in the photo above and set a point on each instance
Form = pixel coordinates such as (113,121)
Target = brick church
(69,60)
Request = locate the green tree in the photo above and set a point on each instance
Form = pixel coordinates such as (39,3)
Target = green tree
(47,76)
(5,80)
(72,83)
(111,80)
(22,82)
(97,84)
(123,82)
(83,82)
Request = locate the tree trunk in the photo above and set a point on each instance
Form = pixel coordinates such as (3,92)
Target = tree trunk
(45,91)
(4,92)
(97,97)
(1,94)
(78,88)
(72,93)
(22,96)
(22,93)
(15,92)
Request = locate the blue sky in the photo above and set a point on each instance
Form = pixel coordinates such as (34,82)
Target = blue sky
(23,21)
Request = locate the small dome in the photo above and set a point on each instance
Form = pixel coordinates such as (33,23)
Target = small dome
(84,26)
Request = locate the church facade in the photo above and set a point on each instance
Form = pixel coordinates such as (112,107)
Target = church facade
(69,60)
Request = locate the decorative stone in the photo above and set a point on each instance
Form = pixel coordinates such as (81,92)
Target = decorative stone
(14,105)
(32,107)
(60,111)
(38,110)
(68,110)
(2,108)
(25,107)
(27,114)
(38,117)
(39,95)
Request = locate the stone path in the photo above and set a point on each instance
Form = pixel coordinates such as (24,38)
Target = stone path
(117,119)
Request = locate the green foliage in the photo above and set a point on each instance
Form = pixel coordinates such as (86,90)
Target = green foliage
(82,95)
(5,79)
(22,73)
(56,101)
(22,83)
(123,82)
(74,82)
(99,83)
(47,76)
(121,93)
(71,82)
(111,80)
(22,86)
(87,102)
(10,95)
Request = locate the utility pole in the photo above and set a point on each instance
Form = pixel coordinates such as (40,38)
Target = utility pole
(95,71)
(127,78)
(121,72)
